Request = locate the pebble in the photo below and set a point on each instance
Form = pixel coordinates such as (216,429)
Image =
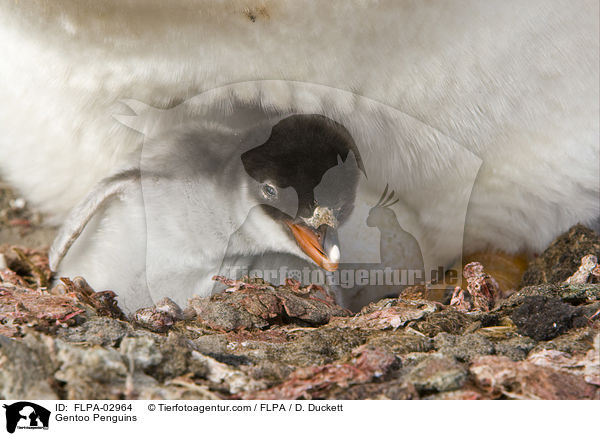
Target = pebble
(438,374)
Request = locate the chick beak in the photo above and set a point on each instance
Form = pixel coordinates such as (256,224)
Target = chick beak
(325,254)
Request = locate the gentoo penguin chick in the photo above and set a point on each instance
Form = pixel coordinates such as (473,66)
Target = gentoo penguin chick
(205,192)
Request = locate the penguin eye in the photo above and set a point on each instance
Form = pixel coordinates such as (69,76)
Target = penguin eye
(269,191)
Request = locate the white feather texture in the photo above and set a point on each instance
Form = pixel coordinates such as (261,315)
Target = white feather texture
(515,83)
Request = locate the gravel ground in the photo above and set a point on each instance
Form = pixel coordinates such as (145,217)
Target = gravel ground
(257,341)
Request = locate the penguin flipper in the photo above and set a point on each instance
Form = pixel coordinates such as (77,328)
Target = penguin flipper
(85,210)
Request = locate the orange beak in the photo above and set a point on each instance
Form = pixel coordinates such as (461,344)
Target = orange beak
(310,244)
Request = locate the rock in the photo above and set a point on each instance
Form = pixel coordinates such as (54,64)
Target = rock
(448,320)
(176,360)
(543,318)
(391,390)
(154,320)
(307,347)
(235,381)
(563,257)
(160,317)
(168,306)
(211,344)
(574,294)
(103,303)
(21,306)
(587,365)
(437,373)
(40,367)
(24,266)
(389,314)
(402,343)
(576,341)
(231,359)
(142,352)
(225,316)
(272,373)
(463,348)
(91,372)
(588,271)
(482,290)
(461,394)
(254,304)
(500,376)
(515,348)
(26,369)
(145,387)
(591,370)
(97,331)
(313,382)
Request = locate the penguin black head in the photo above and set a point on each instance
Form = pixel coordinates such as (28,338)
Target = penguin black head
(318,158)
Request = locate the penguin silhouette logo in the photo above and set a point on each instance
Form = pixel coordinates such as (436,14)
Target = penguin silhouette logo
(26,415)
(395,242)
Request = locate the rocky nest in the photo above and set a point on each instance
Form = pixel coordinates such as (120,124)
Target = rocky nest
(258,341)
